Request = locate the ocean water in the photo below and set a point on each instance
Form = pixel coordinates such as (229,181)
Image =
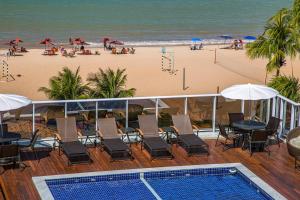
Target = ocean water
(134,21)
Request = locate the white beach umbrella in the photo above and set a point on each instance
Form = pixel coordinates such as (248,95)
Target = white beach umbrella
(12,102)
(249,92)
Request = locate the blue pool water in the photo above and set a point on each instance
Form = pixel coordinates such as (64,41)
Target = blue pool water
(217,183)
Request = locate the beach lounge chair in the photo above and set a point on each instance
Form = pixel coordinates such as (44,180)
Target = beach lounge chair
(151,141)
(111,141)
(67,138)
(186,137)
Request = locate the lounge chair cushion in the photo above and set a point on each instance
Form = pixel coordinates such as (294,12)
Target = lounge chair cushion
(73,148)
(295,142)
(191,140)
(115,145)
(156,143)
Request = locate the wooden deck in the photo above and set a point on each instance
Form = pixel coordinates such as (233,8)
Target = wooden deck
(277,170)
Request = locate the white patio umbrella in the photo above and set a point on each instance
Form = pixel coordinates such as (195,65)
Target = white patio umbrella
(12,102)
(249,92)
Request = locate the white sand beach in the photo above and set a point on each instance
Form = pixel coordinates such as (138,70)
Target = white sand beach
(33,70)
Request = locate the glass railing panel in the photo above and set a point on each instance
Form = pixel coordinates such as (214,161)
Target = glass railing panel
(200,110)
(225,106)
(167,108)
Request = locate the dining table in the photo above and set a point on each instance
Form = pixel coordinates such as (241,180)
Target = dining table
(247,127)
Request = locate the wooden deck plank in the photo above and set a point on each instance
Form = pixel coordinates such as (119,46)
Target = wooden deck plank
(277,170)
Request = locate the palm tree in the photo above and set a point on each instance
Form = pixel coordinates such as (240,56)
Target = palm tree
(110,84)
(279,40)
(67,85)
(287,86)
(295,12)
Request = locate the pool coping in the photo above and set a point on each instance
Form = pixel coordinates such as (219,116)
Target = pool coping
(45,193)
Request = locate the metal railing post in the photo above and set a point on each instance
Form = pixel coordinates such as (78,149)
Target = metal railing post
(292,122)
(66,109)
(185,105)
(126,113)
(261,110)
(156,109)
(242,106)
(281,117)
(33,118)
(214,114)
(274,107)
(298,109)
(268,110)
(96,117)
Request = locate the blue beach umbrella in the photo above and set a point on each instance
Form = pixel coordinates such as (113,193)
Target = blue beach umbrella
(226,37)
(249,37)
(196,39)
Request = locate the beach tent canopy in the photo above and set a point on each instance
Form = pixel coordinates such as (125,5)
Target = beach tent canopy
(196,39)
(249,37)
(249,92)
(12,102)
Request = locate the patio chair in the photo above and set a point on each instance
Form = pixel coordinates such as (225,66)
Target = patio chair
(111,142)
(293,145)
(259,140)
(31,144)
(150,139)
(227,136)
(235,117)
(186,137)
(67,138)
(272,128)
(9,155)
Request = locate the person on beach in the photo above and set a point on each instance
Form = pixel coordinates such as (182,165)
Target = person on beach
(82,48)
(240,44)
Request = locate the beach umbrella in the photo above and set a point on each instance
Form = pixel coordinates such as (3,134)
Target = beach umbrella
(106,39)
(46,42)
(226,37)
(117,42)
(196,39)
(249,37)
(80,41)
(249,92)
(14,42)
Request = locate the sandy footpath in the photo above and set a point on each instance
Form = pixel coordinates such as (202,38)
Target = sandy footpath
(144,70)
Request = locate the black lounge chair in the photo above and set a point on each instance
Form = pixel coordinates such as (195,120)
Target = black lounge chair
(186,137)
(111,141)
(67,138)
(151,141)
(31,145)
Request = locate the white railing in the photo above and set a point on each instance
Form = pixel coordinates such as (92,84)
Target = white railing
(272,107)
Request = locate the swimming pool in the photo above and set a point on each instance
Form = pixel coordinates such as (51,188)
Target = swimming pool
(221,181)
